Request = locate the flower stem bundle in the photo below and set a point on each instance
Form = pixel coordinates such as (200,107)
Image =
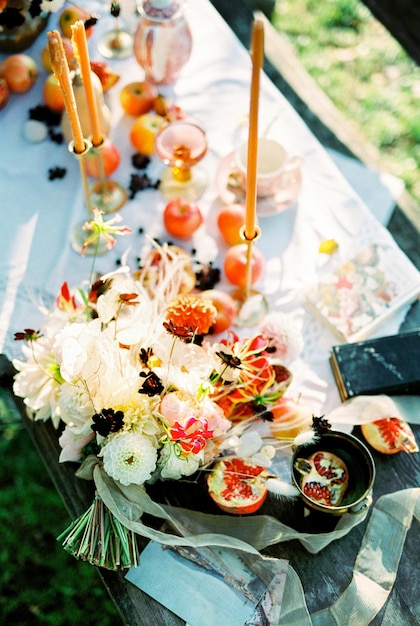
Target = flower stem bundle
(99,538)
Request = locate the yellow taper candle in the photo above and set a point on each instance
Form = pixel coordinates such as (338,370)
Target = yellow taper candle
(61,72)
(82,55)
(257,54)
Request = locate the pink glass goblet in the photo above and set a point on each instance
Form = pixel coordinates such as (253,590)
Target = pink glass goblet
(180,146)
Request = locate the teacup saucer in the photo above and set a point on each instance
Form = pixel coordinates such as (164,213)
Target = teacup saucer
(230,191)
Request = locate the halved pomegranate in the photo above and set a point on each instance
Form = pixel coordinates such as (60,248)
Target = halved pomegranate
(237,486)
(325,478)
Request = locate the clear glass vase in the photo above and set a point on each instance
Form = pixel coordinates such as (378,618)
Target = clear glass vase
(163,40)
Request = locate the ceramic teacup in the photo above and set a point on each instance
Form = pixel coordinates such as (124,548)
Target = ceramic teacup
(277,170)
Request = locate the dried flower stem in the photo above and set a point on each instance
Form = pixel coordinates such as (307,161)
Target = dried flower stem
(99,538)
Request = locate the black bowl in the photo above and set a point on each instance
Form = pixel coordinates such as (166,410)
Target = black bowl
(360,466)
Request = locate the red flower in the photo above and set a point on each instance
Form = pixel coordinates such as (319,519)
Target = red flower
(65,301)
(191,437)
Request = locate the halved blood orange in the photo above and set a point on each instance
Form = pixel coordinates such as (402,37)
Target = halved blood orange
(237,486)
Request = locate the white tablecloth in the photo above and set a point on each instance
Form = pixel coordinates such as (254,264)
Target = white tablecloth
(38,214)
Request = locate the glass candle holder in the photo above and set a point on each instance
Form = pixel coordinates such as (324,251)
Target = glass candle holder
(116,43)
(80,233)
(105,194)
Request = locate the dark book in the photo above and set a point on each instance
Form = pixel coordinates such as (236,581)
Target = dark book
(386,365)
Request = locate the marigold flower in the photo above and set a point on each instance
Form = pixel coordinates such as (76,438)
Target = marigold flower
(193,312)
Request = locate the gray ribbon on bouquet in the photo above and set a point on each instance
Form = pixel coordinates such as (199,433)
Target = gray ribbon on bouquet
(374,571)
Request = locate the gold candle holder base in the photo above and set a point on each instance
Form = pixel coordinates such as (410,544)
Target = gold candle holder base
(107,195)
(252,305)
(80,233)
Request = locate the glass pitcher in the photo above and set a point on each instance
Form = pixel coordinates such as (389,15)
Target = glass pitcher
(163,40)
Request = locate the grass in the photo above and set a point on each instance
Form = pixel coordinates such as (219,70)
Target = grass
(40,583)
(365,73)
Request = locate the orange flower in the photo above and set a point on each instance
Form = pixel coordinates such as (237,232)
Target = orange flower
(192,312)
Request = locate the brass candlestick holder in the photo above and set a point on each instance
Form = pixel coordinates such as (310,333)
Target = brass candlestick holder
(252,305)
(107,195)
(80,232)
(118,42)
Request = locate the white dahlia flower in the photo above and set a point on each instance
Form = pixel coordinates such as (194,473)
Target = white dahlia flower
(129,458)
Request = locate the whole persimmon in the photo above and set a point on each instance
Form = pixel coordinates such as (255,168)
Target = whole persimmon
(230,219)
(235,264)
(110,156)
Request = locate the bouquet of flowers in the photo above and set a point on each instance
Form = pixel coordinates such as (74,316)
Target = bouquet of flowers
(128,371)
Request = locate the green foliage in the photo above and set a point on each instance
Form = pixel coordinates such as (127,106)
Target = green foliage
(364,71)
(40,584)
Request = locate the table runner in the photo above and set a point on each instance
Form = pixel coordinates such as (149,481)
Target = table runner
(36,255)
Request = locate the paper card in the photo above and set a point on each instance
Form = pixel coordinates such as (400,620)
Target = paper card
(204,586)
(360,294)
